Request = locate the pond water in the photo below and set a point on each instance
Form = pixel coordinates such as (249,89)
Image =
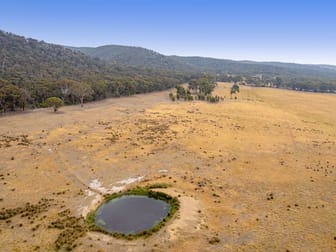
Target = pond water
(131,214)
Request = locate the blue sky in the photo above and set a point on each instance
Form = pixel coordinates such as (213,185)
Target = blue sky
(302,31)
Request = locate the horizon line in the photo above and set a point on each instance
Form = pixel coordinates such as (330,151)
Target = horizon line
(170,55)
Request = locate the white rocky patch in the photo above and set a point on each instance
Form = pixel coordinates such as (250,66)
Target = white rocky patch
(96,186)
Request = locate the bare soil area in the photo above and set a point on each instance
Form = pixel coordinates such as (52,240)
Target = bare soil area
(253,174)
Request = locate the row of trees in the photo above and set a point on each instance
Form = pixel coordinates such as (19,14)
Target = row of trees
(13,97)
(71,91)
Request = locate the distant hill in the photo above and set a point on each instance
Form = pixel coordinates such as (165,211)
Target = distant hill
(253,67)
(295,76)
(38,69)
(25,59)
(135,56)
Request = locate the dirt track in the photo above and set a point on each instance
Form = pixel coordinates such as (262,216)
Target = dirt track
(258,172)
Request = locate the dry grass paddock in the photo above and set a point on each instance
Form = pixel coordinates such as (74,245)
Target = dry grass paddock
(253,174)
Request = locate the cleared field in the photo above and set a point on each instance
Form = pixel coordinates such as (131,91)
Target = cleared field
(258,173)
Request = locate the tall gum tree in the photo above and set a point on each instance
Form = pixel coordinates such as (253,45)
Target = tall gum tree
(81,90)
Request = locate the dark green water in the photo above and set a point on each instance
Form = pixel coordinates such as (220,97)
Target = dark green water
(131,214)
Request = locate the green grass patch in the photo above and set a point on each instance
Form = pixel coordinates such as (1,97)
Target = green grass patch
(158,185)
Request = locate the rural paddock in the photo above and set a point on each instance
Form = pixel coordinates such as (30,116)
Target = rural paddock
(256,173)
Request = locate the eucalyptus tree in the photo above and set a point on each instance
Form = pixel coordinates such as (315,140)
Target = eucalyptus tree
(234,89)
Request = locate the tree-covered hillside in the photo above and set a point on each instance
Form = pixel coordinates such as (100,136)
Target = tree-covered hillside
(135,56)
(320,78)
(31,71)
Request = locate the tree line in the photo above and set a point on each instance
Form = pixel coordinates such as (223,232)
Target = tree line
(71,91)
(32,71)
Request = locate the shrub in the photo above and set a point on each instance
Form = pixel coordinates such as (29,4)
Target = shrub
(54,102)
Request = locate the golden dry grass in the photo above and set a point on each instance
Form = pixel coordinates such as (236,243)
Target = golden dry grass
(258,172)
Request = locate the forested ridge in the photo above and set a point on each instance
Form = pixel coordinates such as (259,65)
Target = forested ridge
(304,77)
(135,56)
(32,70)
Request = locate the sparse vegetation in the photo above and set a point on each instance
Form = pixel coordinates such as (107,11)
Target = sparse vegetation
(72,229)
(28,210)
(201,152)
